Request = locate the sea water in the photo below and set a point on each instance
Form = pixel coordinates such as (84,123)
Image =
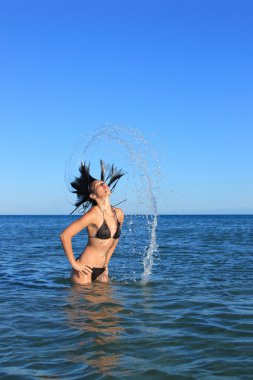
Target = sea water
(192,319)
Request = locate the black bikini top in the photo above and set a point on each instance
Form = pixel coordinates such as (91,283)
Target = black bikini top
(104,231)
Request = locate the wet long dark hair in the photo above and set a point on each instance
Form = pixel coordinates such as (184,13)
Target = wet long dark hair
(82,184)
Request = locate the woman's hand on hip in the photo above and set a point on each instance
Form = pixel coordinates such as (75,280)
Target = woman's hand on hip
(81,267)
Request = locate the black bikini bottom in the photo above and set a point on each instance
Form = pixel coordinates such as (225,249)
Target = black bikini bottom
(96,272)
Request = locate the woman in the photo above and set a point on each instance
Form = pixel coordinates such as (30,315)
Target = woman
(103,223)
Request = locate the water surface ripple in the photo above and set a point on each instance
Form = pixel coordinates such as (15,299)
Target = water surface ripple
(192,320)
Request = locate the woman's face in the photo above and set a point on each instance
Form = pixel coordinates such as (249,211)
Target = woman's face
(100,189)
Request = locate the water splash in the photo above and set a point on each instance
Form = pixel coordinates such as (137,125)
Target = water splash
(130,150)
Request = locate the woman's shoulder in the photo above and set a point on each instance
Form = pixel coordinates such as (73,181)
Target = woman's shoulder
(119,212)
(91,213)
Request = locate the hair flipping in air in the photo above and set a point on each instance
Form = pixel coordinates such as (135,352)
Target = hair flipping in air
(82,184)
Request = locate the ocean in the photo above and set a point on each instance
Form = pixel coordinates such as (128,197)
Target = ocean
(191,319)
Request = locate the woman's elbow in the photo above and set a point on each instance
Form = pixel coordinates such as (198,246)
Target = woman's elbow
(63,236)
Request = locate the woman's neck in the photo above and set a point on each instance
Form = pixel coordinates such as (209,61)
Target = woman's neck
(104,205)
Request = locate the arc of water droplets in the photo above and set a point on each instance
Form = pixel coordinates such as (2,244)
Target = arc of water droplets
(114,133)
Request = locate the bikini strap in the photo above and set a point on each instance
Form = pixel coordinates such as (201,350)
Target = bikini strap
(115,214)
(102,212)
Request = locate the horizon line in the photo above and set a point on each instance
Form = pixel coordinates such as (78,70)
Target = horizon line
(126,214)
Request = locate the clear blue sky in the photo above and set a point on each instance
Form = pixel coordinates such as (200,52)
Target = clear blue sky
(182,70)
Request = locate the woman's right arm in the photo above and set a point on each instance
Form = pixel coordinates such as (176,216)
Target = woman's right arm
(66,238)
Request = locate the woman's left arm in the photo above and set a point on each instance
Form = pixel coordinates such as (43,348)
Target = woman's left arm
(112,249)
(110,252)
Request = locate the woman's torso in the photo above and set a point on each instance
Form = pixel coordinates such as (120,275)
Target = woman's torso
(101,237)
